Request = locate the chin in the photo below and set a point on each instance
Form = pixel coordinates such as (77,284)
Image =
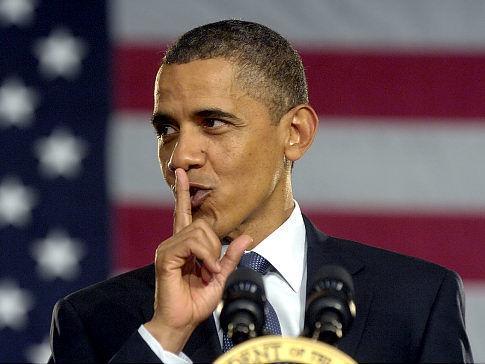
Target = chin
(221,224)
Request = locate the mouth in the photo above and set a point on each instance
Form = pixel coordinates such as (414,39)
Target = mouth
(198,194)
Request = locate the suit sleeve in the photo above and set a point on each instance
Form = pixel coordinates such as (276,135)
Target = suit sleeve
(135,350)
(71,344)
(68,341)
(445,339)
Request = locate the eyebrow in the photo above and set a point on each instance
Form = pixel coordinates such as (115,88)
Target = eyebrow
(215,113)
(164,118)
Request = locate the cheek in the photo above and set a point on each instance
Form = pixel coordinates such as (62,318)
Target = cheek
(248,157)
(251,162)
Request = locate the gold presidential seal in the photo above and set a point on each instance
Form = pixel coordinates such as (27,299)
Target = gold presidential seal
(277,349)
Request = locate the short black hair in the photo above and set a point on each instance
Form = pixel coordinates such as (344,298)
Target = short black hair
(267,66)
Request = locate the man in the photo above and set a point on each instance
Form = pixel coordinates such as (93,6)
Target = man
(231,115)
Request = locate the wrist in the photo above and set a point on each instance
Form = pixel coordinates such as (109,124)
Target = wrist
(171,339)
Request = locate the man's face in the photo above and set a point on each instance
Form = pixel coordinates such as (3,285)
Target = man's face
(226,142)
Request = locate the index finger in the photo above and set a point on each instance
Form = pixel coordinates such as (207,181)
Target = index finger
(183,208)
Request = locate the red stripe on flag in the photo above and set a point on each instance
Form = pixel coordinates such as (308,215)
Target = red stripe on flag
(345,83)
(454,241)
(134,71)
(449,240)
(138,230)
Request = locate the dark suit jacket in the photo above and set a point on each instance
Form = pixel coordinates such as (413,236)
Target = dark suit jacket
(408,310)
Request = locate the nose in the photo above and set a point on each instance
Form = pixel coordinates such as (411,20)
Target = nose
(189,151)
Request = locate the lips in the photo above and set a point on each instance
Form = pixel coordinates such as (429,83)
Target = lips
(198,194)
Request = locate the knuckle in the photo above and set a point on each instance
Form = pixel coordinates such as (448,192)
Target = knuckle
(204,226)
(199,223)
(199,232)
(162,249)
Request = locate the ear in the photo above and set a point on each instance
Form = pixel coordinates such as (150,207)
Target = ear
(301,125)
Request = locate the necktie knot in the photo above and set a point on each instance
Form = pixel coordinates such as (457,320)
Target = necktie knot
(255,262)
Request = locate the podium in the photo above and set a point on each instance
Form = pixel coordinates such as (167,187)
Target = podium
(277,349)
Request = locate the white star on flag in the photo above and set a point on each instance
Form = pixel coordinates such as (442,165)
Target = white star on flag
(17,103)
(16,202)
(14,305)
(58,256)
(60,54)
(60,154)
(39,353)
(16,12)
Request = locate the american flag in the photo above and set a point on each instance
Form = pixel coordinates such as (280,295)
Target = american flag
(399,160)
(54,212)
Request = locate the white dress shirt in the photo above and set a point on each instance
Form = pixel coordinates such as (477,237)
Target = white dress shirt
(285,249)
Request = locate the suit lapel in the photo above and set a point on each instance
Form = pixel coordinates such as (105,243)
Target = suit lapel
(324,250)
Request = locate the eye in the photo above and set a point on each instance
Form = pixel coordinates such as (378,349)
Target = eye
(212,123)
(165,130)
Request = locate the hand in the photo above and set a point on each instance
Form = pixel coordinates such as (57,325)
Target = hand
(189,276)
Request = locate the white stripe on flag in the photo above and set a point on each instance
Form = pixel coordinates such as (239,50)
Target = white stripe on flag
(346,23)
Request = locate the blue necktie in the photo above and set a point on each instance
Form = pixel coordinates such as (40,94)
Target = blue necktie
(257,263)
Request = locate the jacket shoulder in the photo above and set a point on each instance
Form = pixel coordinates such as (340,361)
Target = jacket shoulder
(385,261)
(93,323)
(127,284)
(127,295)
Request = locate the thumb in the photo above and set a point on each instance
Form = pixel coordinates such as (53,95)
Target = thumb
(233,255)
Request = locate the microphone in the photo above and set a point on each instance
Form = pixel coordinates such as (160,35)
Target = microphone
(330,308)
(242,315)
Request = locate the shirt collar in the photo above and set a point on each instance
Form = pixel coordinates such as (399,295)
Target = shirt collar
(284,248)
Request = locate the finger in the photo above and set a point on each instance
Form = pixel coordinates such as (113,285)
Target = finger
(191,266)
(183,209)
(204,254)
(205,236)
(234,252)
(208,235)
(196,242)
(206,275)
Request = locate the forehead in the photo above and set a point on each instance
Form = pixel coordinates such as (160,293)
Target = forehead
(200,78)
(204,84)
